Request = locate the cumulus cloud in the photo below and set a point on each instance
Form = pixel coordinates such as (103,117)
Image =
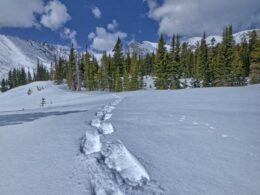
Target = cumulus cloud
(112,26)
(55,15)
(192,17)
(96,12)
(20,13)
(70,34)
(104,39)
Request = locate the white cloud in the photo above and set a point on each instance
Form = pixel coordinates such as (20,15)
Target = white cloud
(96,12)
(112,26)
(190,17)
(55,15)
(104,39)
(20,13)
(70,35)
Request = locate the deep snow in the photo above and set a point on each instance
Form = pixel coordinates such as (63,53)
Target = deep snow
(193,141)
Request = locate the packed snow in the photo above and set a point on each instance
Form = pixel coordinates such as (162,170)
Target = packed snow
(193,141)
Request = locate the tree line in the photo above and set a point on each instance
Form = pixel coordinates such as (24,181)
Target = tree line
(206,65)
(18,77)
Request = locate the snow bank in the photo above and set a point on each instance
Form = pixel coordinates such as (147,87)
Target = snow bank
(118,158)
(91,143)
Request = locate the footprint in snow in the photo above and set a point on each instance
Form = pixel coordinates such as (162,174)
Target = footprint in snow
(209,126)
(183,117)
(224,135)
(195,123)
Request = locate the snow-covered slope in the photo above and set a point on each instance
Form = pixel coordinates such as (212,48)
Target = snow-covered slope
(150,47)
(16,52)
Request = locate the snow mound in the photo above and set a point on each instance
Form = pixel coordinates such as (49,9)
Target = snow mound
(100,114)
(107,116)
(91,143)
(106,128)
(96,123)
(108,108)
(119,159)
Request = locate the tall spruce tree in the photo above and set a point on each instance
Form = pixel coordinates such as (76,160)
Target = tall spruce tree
(160,65)
(118,82)
(3,85)
(134,84)
(255,62)
(203,62)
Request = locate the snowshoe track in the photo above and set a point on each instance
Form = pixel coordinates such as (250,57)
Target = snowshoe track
(114,170)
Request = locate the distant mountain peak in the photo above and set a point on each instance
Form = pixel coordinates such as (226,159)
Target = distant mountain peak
(16,52)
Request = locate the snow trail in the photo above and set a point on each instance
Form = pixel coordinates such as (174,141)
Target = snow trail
(116,170)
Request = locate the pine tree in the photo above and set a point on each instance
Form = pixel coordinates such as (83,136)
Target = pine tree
(203,62)
(58,75)
(255,62)
(23,77)
(103,72)
(244,53)
(237,74)
(14,77)
(172,63)
(118,82)
(3,85)
(118,57)
(10,79)
(86,74)
(226,57)
(134,84)
(160,65)
(29,77)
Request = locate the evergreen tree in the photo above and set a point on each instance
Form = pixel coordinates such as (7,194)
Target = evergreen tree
(23,77)
(118,57)
(29,77)
(160,65)
(134,84)
(3,85)
(10,79)
(226,57)
(118,82)
(237,74)
(59,68)
(244,54)
(255,62)
(203,62)
(103,71)
(173,64)
(86,74)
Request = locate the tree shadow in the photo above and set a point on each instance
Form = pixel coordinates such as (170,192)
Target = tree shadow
(15,119)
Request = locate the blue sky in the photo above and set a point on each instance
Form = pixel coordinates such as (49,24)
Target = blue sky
(97,23)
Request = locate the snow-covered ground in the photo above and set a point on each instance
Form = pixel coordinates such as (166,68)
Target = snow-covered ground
(194,141)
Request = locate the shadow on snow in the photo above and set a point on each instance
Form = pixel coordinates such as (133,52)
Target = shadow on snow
(15,119)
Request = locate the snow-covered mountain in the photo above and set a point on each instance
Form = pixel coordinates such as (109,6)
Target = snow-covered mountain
(150,47)
(16,52)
